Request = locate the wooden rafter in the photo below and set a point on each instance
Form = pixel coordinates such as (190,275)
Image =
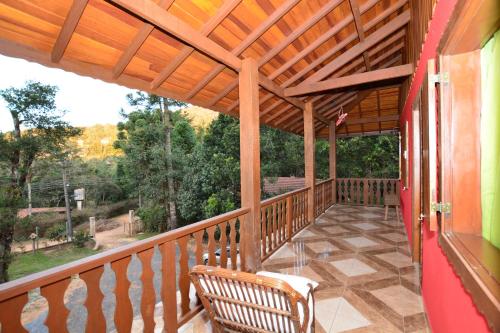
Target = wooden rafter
(155,15)
(355,63)
(207,28)
(249,40)
(135,45)
(351,80)
(359,28)
(384,32)
(68,28)
(382,16)
(283,44)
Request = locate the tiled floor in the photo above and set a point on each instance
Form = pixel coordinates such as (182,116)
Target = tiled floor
(367,282)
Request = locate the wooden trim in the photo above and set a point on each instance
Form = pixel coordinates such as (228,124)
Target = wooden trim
(137,42)
(157,16)
(359,28)
(372,120)
(68,28)
(478,281)
(351,80)
(416,245)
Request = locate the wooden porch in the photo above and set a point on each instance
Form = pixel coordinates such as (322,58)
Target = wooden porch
(367,281)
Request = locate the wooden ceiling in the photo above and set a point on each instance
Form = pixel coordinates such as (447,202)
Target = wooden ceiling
(190,50)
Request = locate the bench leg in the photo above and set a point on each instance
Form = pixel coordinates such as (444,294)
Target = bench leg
(386,212)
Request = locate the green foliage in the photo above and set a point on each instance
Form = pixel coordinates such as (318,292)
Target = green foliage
(56,233)
(152,217)
(371,157)
(80,238)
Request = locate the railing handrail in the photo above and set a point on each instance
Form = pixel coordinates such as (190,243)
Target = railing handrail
(324,181)
(52,275)
(365,178)
(282,196)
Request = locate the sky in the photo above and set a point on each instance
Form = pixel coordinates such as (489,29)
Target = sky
(88,101)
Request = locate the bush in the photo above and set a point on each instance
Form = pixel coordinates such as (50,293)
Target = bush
(153,218)
(56,233)
(80,238)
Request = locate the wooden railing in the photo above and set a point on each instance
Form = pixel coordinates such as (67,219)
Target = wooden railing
(365,191)
(323,196)
(178,249)
(281,218)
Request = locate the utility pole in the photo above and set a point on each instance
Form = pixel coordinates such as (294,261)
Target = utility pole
(69,224)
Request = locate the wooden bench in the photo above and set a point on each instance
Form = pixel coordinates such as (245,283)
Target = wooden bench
(391,200)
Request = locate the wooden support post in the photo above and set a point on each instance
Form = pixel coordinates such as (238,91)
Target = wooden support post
(289,218)
(309,142)
(332,138)
(250,163)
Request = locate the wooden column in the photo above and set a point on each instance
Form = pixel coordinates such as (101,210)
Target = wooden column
(250,163)
(309,142)
(332,138)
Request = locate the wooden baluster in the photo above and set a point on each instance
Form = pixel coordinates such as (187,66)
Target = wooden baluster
(379,191)
(232,244)
(198,254)
(10,313)
(289,217)
(263,232)
(184,274)
(168,287)
(58,313)
(212,261)
(123,310)
(365,192)
(95,318)
(273,221)
(223,244)
(269,226)
(148,299)
(283,221)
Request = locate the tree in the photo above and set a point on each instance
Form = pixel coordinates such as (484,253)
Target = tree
(146,139)
(39,131)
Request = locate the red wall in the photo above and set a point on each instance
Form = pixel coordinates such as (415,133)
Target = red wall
(449,307)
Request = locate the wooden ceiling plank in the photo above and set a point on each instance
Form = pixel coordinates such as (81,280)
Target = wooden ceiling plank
(155,15)
(389,28)
(283,44)
(278,91)
(67,29)
(139,39)
(207,28)
(351,80)
(249,40)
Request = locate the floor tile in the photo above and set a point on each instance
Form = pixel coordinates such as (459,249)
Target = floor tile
(347,318)
(395,237)
(322,246)
(366,226)
(352,267)
(360,241)
(396,259)
(284,252)
(335,229)
(400,299)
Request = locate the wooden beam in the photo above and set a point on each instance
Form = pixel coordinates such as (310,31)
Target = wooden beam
(278,91)
(135,45)
(249,40)
(327,8)
(68,28)
(226,8)
(382,16)
(155,15)
(359,28)
(376,37)
(309,146)
(250,164)
(351,80)
(368,120)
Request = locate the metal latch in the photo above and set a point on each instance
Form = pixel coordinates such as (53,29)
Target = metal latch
(442,207)
(439,77)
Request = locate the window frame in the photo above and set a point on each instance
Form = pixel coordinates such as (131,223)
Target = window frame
(474,259)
